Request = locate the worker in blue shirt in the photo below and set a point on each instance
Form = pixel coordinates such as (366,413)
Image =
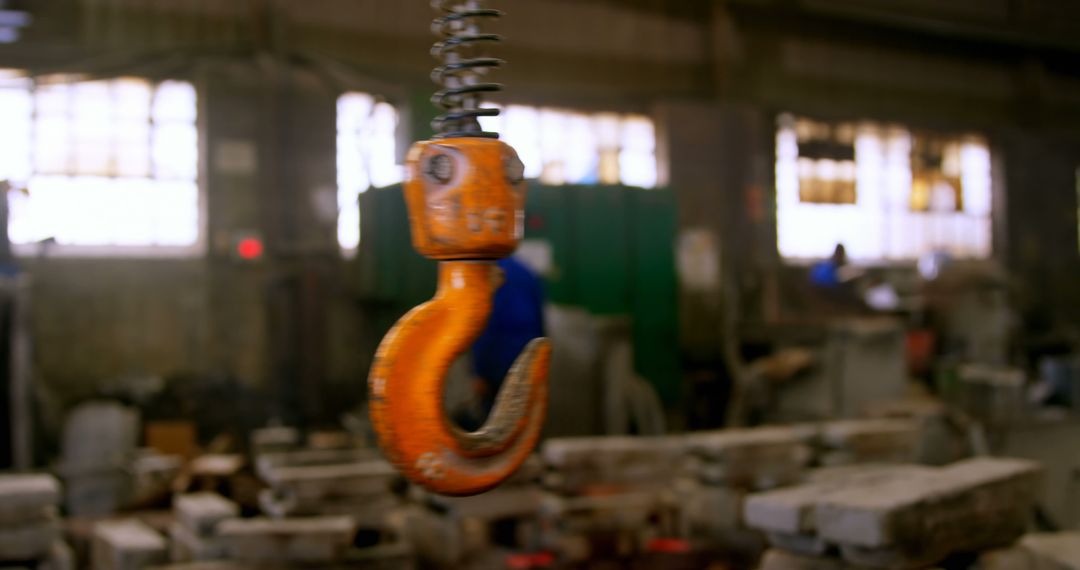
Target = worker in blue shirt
(835,282)
(827,273)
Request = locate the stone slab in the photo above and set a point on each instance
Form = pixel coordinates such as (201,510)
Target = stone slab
(575,464)
(22,516)
(1061,547)
(29,541)
(756,458)
(891,431)
(969,506)
(202,512)
(322,482)
(1016,557)
(718,444)
(312,457)
(126,545)
(791,510)
(25,497)
(871,440)
(366,510)
(274,439)
(315,539)
(187,546)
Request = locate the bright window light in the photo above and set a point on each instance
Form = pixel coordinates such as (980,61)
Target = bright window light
(108,164)
(885,192)
(366,157)
(569,147)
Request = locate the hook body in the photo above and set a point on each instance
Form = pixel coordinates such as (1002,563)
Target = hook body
(466,200)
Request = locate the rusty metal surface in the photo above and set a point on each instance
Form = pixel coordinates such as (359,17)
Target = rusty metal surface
(466,198)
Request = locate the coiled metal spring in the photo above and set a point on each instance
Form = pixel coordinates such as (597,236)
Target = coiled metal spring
(463,70)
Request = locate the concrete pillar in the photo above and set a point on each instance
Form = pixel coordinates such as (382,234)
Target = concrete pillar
(716,157)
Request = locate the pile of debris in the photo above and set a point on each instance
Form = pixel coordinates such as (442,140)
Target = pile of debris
(610,497)
(722,468)
(632,498)
(354,482)
(843,494)
(316,493)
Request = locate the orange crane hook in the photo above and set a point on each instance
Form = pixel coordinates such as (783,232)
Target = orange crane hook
(466,198)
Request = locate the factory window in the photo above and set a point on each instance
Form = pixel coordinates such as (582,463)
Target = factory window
(366,157)
(106,166)
(567,147)
(884,191)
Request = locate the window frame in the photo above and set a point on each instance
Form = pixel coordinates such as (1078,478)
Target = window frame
(623,117)
(401,117)
(198,248)
(913,128)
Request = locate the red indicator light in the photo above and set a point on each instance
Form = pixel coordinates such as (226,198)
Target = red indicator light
(532,561)
(668,546)
(249,248)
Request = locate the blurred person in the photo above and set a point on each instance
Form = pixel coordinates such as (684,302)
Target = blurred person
(833,282)
(517,317)
(833,272)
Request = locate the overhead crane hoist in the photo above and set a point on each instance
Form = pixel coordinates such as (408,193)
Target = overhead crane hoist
(465,192)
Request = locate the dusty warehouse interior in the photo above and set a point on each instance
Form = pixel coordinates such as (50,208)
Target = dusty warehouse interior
(560,284)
